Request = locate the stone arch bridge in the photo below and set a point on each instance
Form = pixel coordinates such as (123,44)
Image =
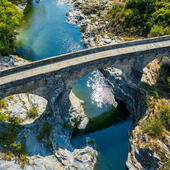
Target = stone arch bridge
(53,78)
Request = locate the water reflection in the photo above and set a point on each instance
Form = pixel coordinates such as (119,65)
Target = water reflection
(96,92)
(102,93)
(46,32)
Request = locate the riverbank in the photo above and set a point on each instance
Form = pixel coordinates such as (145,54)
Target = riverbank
(85,14)
(7,62)
(150,137)
(49,136)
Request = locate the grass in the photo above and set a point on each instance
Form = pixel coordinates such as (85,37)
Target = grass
(3,104)
(146,86)
(76,122)
(165,115)
(90,142)
(153,127)
(11,119)
(46,128)
(32,113)
(160,111)
(164,77)
(11,148)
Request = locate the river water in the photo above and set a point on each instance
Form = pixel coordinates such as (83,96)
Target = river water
(46,33)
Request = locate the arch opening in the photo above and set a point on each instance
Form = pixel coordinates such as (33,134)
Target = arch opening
(103,120)
(93,104)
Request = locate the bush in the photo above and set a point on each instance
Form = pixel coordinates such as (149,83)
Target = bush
(32,113)
(3,117)
(155,94)
(11,119)
(159,31)
(165,115)
(144,6)
(2,104)
(46,128)
(153,127)
(148,18)
(161,17)
(10,18)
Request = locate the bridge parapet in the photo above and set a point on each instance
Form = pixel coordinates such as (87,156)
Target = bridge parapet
(82,53)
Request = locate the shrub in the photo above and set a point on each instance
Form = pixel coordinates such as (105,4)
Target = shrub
(3,117)
(32,113)
(76,122)
(153,127)
(161,17)
(159,31)
(91,142)
(165,114)
(10,18)
(144,6)
(15,120)
(46,128)
(2,104)
(155,94)
(146,86)
(11,119)
(140,18)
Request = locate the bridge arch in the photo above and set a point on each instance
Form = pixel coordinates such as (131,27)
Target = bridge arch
(54,78)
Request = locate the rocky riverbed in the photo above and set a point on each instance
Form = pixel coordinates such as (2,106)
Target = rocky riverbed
(147,151)
(45,139)
(85,14)
(7,62)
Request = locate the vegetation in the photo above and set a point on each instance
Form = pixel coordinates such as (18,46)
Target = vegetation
(32,113)
(164,78)
(17,1)
(159,120)
(10,19)
(46,128)
(90,142)
(147,18)
(11,148)
(2,104)
(11,119)
(76,122)
(153,127)
(160,116)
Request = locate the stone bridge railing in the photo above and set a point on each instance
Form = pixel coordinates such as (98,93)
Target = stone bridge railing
(82,53)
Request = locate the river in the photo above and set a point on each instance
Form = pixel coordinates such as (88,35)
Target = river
(46,33)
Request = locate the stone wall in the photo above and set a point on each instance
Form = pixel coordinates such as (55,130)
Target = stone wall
(83,52)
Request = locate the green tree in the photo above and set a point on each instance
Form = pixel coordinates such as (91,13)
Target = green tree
(10,18)
(159,31)
(144,6)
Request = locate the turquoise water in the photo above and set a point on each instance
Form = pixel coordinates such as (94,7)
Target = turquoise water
(96,94)
(112,145)
(46,33)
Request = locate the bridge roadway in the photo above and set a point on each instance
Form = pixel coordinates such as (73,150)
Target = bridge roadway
(71,59)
